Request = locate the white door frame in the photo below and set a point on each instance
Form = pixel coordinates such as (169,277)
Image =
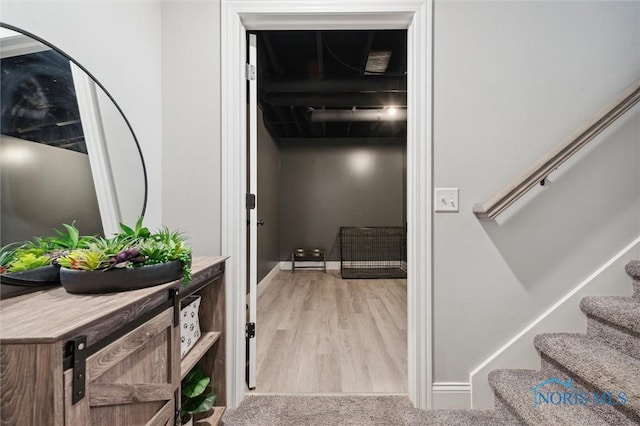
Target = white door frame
(414,15)
(96,142)
(252,224)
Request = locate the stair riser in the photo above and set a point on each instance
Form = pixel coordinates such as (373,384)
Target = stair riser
(515,405)
(623,340)
(551,369)
(505,414)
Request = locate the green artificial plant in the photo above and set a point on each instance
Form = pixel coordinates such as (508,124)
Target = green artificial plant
(42,251)
(132,247)
(197,394)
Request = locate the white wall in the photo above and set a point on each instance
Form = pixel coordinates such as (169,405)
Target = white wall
(191,121)
(513,79)
(119,43)
(128,177)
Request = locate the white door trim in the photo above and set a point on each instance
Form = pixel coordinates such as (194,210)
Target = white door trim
(96,142)
(414,15)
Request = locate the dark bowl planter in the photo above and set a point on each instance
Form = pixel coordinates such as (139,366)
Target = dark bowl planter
(37,277)
(119,279)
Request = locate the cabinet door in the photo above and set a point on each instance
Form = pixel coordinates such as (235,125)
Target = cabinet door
(131,381)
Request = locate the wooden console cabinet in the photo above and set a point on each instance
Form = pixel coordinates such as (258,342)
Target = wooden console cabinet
(109,359)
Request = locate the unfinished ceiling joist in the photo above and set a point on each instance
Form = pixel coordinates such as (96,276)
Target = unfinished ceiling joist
(366,83)
(334,71)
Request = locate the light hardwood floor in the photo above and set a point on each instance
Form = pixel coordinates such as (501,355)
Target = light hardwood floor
(318,333)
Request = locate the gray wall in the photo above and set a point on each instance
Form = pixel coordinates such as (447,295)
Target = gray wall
(512,80)
(325,187)
(268,201)
(191,122)
(43,187)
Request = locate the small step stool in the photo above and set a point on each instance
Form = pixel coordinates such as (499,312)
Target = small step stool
(308,255)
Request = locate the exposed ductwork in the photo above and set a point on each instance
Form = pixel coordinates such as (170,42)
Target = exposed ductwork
(333,85)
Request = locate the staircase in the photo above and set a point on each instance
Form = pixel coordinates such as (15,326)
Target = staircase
(597,374)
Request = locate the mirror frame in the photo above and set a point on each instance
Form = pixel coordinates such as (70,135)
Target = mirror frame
(95,80)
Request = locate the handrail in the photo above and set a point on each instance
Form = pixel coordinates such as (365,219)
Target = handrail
(539,171)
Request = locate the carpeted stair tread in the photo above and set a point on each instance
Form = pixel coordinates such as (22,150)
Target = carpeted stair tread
(618,310)
(515,389)
(596,363)
(633,270)
(470,417)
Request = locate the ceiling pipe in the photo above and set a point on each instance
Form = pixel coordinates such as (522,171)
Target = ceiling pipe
(319,116)
(377,140)
(366,83)
(372,100)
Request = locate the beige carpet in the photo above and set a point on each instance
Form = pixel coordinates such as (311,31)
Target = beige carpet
(347,410)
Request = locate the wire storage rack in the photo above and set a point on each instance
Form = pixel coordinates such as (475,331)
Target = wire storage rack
(373,252)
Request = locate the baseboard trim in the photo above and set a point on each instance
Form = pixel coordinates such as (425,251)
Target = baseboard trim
(332,265)
(268,279)
(451,395)
(510,355)
(285,265)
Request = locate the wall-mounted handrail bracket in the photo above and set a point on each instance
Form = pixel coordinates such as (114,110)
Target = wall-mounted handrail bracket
(539,172)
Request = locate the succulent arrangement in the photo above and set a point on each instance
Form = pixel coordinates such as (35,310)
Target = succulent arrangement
(130,248)
(42,251)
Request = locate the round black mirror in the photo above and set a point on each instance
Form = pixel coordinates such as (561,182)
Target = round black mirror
(68,153)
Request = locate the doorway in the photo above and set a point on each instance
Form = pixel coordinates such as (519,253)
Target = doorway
(331,167)
(415,17)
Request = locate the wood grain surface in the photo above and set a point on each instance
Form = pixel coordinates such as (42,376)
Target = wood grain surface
(131,380)
(52,315)
(125,393)
(197,352)
(163,417)
(318,333)
(106,358)
(36,371)
(213,360)
(213,419)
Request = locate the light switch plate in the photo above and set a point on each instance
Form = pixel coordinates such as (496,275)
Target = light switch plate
(446,200)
